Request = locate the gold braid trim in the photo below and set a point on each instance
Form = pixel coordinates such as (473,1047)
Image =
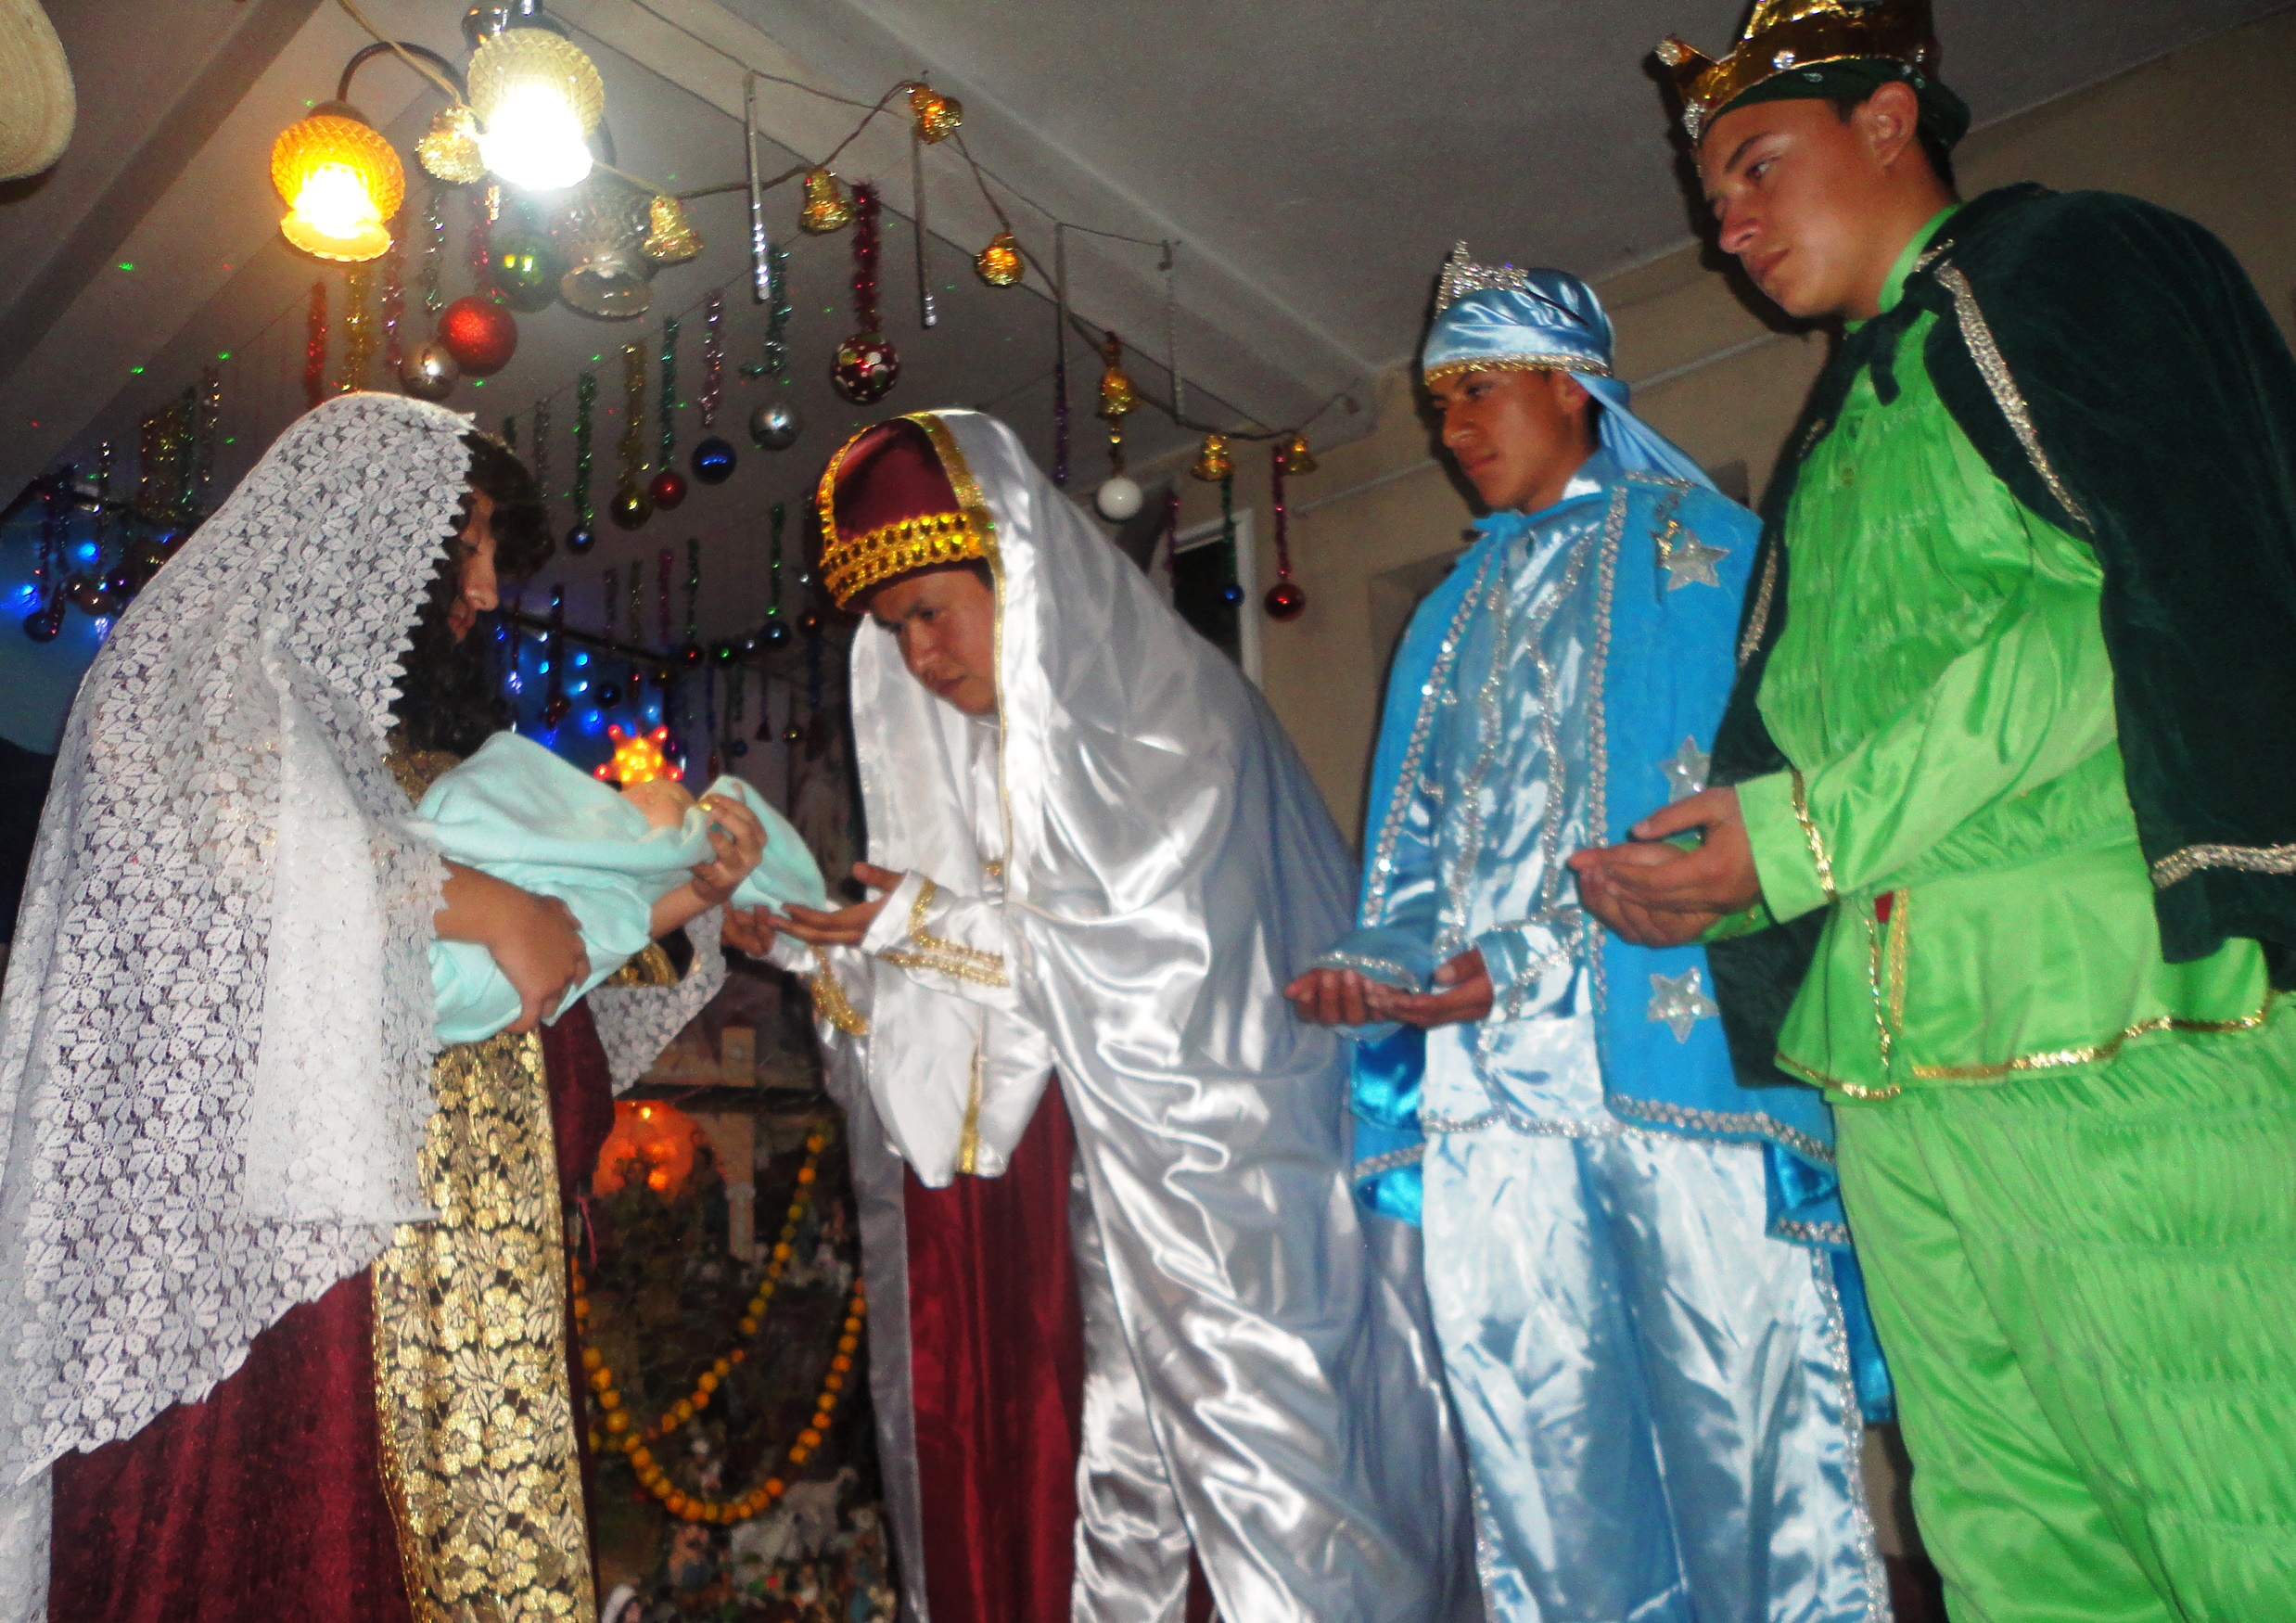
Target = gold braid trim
(830,1001)
(1451,369)
(471,1387)
(2249,859)
(1809,832)
(940,956)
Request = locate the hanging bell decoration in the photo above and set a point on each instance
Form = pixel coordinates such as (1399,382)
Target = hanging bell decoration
(826,207)
(670,239)
(450,149)
(429,371)
(1000,264)
(1297,457)
(937,116)
(1213,464)
(1117,396)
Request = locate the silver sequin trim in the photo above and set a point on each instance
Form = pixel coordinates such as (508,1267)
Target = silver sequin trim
(1372,1166)
(1758,622)
(1358,961)
(1750,1123)
(1853,1439)
(2005,394)
(2250,859)
(1814,1234)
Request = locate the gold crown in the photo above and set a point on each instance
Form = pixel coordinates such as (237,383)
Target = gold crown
(852,564)
(1786,35)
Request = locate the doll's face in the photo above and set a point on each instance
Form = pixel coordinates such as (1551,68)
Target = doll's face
(946,624)
(665,803)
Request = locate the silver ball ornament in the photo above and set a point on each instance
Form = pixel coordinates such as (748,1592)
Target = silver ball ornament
(429,371)
(775,425)
(1117,500)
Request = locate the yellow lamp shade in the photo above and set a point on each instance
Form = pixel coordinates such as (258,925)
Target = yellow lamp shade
(341,183)
(538,97)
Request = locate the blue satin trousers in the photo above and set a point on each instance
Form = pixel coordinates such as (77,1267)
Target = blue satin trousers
(1655,1395)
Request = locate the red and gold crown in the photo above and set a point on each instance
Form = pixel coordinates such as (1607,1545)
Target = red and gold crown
(1790,37)
(888,508)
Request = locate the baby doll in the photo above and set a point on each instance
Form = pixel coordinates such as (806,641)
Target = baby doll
(518,812)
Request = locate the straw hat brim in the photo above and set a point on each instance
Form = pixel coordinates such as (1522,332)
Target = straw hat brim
(36,102)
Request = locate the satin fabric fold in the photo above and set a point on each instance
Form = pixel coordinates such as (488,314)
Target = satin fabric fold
(1167,866)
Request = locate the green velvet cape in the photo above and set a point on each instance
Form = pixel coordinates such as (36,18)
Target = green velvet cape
(2114,366)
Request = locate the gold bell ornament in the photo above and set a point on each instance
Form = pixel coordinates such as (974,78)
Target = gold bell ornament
(1000,263)
(670,239)
(826,207)
(450,149)
(1297,458)
(1116,395)
(937,116)
(1213,463)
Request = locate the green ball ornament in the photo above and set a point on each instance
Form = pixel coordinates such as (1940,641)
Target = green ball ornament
(524,268)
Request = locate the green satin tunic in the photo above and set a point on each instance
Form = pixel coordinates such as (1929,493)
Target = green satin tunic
(1943,689)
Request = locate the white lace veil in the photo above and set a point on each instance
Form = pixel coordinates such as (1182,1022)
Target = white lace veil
(223,949)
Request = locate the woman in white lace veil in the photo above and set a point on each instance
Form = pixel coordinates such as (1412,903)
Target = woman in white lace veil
(216,1051)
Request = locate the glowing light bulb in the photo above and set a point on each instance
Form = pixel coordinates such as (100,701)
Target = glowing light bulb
(535,140)
(333,203)
(340,181)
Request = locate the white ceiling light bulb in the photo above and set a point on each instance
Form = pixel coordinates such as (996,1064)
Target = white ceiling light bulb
(537,98)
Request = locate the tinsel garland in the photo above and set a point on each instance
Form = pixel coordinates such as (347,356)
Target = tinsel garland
(539,460)
(669,393)
(690,650)
(585,415)
(661,596)
(632,443)
(434,247)
(867,241)
(394,299)
(358,329)
(206,420)
(314,347)
(484,207)
(713,358)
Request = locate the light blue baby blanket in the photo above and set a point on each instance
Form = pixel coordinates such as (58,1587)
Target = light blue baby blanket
(524,815)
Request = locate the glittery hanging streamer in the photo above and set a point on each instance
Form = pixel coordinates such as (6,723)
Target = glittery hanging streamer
(394,299)
(774,564)
(777,320)
(867,242)
(669,393)
(358,329)
(1171,330)
(761,247)
(927,317)
(632,442)
(1227,532)
(713,357)
(554,704)
(816,735)
(1060,354)
(709,720)
(102,537)
(434,247)
(637,602)
(585,411)
(314,347)
(485,207)
(692,649)
(539,460)
(206,430)
(661,596)
(613,600)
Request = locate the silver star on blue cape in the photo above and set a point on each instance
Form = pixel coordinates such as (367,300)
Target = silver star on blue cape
(1681,1001)
(1685,771)
(1688,559)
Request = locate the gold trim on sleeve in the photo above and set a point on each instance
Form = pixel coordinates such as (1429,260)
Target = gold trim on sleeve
(1809,832)
(830,1001)
(938,955)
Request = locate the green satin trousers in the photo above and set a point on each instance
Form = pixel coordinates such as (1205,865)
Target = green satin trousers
(2086,1288)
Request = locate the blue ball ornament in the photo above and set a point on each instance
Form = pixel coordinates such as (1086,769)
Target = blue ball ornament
(580,539)
(738,747)
(713,461)
(1232,595)
(41,624)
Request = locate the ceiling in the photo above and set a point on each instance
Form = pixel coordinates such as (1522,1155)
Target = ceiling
(1314,164)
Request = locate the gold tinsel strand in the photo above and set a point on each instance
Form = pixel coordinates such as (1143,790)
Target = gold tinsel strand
(632,443)
(358,335)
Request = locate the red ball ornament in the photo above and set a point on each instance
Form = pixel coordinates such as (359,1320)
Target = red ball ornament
(479,334)
(866,368)
(1285,600)
(667,489)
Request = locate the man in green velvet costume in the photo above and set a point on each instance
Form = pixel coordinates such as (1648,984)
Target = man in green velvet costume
(2006,861)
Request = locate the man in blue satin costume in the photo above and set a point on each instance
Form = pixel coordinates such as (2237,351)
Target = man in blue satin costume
(1638,1268)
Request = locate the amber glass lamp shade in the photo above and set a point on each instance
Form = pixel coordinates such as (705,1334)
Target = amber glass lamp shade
(341,183)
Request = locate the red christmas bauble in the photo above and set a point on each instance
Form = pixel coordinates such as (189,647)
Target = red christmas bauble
(479,334)
(1285,600)
(667,489)
(866,368)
